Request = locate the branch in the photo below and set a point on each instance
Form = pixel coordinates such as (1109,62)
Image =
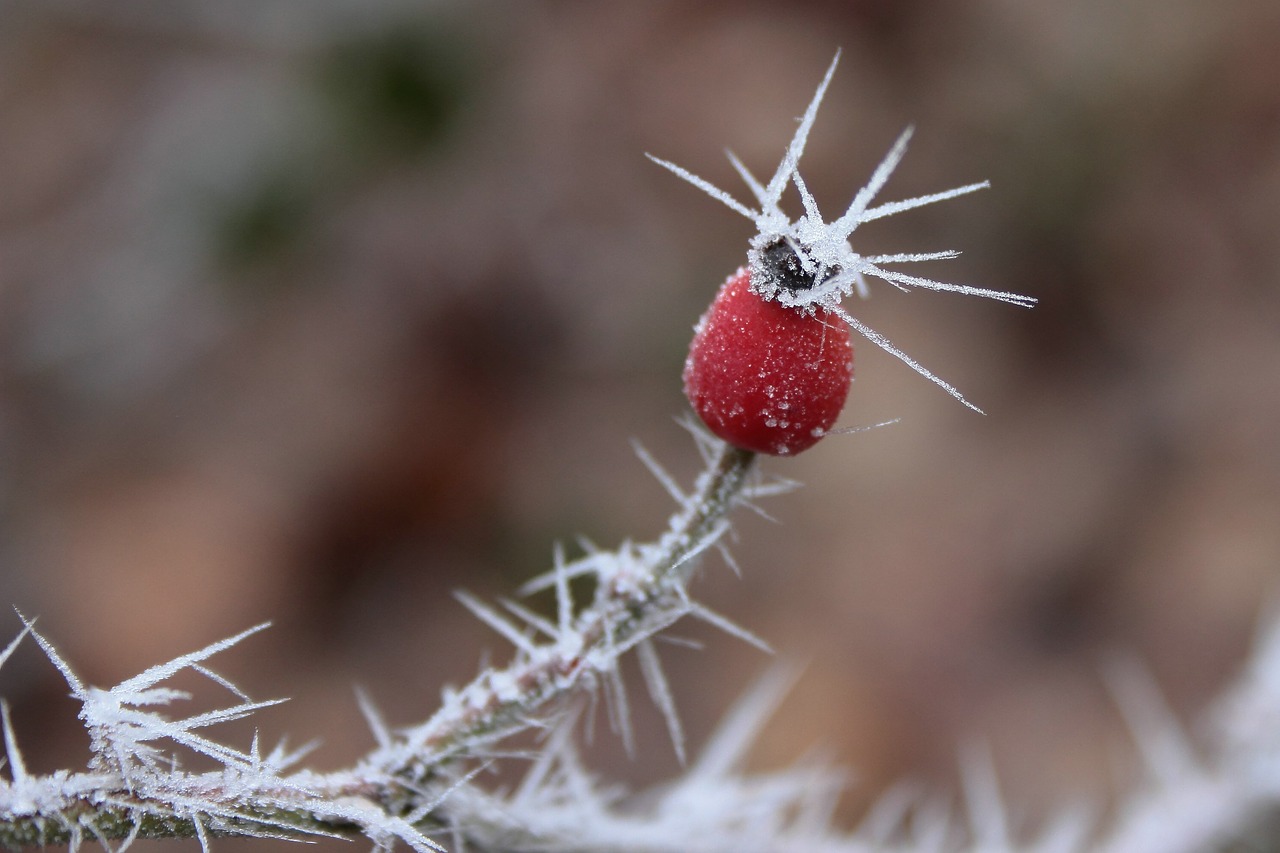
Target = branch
(134,788)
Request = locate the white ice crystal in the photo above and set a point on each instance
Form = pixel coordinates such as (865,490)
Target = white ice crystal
(808,263)
(124,735)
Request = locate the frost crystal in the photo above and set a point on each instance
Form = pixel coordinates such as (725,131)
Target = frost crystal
(808,263)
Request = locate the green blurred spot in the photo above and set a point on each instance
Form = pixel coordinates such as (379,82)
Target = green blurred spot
(262,224)
(385,96)
(399,90)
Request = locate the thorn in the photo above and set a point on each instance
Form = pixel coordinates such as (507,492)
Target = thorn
(1164,746)
(660,693)
(564,596)
(489,617)
(733,629)
(17,768)
(533,619)
(740,727)
(13,644)
(373,719)
(987,818)
(660,474)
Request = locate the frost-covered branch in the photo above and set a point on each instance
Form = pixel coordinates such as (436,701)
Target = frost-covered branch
(1198,795)
(640,590)
(418,785)
(134,786)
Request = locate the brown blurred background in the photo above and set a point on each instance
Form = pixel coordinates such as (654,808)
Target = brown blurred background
(316,311)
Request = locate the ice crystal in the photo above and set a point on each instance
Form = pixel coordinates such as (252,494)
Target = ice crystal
(123,734)
(808,263)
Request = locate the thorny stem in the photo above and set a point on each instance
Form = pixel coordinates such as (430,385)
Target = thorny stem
(625,611)
(113,821)
(396,778)
(718,491)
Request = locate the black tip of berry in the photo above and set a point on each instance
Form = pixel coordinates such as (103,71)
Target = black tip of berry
(780,264)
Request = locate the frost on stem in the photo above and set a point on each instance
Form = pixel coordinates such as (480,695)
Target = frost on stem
(424,779)
(135,786)
(713,806)
(122,733)
(641,589)
(786,253)
(410,783)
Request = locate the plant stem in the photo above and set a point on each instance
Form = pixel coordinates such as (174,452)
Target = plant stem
(639,599)
(641,591)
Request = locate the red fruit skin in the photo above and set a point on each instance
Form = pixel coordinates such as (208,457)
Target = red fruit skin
(765,377)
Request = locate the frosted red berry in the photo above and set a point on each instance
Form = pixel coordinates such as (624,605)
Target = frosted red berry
(766,377)
(771,364)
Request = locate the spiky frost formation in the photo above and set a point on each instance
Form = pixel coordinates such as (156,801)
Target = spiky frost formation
(1210,795)
(641,589)
(425,780)
(819,252)
(135,787)
(1194,798)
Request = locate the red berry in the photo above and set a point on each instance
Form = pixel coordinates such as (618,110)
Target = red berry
(766,377)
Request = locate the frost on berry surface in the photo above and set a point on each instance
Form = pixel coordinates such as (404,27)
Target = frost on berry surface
(764,377)
(820,252)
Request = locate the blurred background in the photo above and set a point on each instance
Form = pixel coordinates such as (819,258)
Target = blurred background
(317,311)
